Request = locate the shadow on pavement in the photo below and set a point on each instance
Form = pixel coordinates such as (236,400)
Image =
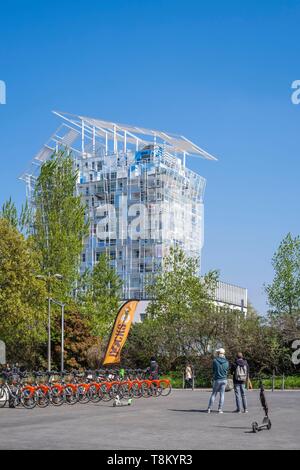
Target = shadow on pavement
(233,427)
(200,411)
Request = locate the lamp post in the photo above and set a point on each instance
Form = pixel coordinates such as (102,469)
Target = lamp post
(62,305)
(48,278)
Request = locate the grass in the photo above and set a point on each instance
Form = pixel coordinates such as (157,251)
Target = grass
(290,382)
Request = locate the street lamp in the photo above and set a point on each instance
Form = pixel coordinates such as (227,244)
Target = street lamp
(48,278)
(62,305)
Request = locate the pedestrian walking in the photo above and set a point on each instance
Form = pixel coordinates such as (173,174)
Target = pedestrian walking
(220,372)
(240,372)
(188,376)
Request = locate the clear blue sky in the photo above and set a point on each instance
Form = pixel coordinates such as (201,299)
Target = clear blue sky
(218,72)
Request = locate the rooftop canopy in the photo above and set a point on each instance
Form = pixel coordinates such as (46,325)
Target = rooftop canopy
(135,135)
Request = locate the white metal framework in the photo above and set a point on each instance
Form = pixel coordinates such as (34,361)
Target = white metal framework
(140,197)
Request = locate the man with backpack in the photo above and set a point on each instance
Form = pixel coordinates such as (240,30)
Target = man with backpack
(240,372)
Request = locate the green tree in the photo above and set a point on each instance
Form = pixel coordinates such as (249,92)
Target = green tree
(284,292)
(22,296)
(182,308)
(10,213)
(59,226)
(100,297)
(78,339)
(23,221)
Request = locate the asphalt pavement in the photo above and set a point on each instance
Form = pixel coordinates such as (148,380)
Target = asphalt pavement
(177,422)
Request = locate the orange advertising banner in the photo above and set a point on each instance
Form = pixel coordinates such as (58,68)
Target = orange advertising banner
(120,332)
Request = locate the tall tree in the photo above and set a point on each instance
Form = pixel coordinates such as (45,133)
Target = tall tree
(182,306)
(22,296)
(101,296)
(10,213)
(78,339)
(59,225)
(23,221)
(284,292)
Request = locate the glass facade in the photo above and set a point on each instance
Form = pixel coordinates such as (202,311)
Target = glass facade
(140,197)
(139,205)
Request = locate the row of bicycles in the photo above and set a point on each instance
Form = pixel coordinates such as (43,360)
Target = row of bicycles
(44,388)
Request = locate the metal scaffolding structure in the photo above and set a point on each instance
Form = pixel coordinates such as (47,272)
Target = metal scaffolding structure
(141,198)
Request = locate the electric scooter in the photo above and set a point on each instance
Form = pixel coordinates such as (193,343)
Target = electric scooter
(266,424)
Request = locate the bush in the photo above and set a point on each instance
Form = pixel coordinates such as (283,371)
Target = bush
(292,382)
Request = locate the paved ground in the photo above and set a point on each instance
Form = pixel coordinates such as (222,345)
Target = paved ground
(174,422)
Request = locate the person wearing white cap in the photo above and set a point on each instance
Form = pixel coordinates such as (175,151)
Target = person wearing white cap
(220,372)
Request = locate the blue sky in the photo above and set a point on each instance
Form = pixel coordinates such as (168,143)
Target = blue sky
(218,72)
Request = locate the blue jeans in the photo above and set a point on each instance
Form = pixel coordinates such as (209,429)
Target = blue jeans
(218,387)
(239,390)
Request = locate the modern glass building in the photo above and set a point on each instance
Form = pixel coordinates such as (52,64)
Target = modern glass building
(141,198)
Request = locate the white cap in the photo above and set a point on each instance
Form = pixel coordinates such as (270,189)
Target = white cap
(220,351)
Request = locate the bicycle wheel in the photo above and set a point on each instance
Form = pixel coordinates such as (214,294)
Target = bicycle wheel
(28,399)
(165,387)
(136,390)
(42,398)
(106,396)
(71,395)
(155,390)
(146,390)
(95,393)
(57,397)
(83,395)
(115,390)
(3,397)
(124,391)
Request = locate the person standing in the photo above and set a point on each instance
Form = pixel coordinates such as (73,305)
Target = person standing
(154,369)
(220,372)
(240,372)
(188,376)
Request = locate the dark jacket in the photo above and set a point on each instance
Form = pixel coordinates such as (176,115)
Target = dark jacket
(220,368)
(242,363)
(154,369)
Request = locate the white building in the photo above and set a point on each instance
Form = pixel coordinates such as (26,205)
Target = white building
(141,199)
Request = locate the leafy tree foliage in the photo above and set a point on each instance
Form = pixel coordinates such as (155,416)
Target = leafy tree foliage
(100,297)
(284,292)
(22,296)
(23,221)
(59,226)
(78,339)
(10,213)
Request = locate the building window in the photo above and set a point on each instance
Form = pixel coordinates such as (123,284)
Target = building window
(83,257)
